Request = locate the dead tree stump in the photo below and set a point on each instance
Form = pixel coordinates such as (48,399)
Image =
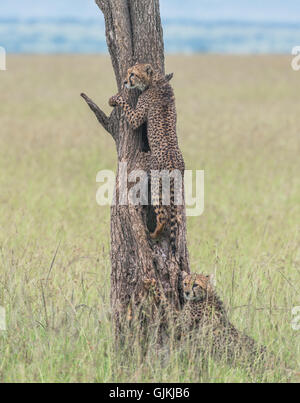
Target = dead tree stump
(134,34)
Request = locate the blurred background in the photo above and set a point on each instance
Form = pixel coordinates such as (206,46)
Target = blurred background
(216,26)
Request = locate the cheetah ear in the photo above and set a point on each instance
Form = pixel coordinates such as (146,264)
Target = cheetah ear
(184,274)
(169,76)
(148,70)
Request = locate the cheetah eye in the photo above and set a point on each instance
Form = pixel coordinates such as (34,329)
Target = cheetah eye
(195,285)
(131,75)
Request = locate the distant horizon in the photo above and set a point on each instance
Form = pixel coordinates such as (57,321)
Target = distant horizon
(242,10)
(198,26)
(163,19)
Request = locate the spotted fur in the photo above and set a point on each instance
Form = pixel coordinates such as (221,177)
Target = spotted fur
(204,315)
(156,106)
(205,312)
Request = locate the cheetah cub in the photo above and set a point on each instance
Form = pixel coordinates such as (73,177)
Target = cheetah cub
(156,107)
(205,313)
(204,316)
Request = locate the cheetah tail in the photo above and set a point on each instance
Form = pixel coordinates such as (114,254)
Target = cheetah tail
(173,220)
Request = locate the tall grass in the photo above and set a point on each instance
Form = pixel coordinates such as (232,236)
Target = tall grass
(238,119)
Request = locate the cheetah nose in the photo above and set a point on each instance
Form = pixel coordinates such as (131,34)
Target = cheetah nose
(187,293)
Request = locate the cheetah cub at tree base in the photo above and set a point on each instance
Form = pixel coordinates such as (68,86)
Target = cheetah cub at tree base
(205,311)
(204,315)
(156,106)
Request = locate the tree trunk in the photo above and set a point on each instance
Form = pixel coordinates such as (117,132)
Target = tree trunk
(134,34)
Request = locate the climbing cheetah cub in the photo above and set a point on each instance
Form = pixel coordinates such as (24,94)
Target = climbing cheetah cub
(156,106)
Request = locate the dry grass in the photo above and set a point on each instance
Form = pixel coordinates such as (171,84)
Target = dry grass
(238,119)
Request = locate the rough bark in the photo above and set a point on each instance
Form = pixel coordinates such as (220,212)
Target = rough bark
(134,34)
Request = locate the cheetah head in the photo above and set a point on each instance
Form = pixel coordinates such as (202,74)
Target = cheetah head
(197,287)
(139,76)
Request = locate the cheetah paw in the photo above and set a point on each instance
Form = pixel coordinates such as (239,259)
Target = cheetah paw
(113,101)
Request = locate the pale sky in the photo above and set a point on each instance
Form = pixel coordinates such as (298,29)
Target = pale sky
(255,10)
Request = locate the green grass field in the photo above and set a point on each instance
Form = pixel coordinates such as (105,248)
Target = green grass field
(238,119)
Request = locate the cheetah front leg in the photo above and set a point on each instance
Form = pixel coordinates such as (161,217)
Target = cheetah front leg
(135,116)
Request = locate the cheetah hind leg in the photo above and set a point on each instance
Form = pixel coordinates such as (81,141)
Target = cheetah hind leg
(156,194)
(160,222)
